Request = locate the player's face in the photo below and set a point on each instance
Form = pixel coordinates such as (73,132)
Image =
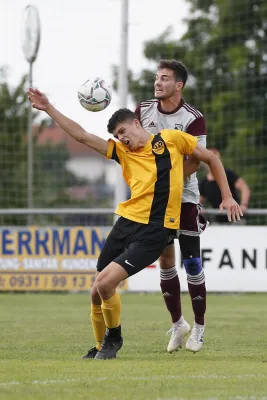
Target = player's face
(128,133)
(165,84)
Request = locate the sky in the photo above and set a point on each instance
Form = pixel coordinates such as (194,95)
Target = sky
(81,39)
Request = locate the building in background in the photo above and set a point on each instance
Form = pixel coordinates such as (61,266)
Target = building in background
(84,162)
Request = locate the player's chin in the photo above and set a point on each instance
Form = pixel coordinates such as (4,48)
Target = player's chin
(159,96)
(133,147)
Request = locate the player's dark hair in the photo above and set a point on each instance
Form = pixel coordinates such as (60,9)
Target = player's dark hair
(119,116)
(179,69)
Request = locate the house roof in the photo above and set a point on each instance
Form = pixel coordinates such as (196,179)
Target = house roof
(55,135)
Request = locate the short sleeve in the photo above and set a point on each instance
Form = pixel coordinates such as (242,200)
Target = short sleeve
(112,151)
(197,127)
(185,142)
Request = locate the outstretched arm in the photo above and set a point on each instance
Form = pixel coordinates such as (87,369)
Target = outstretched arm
(228,203)
(41,102)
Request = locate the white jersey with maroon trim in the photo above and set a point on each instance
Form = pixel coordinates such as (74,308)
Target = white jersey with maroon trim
(185,118)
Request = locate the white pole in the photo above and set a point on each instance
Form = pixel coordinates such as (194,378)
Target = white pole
(30,155)
(121,188)
(123,69)
(30,44)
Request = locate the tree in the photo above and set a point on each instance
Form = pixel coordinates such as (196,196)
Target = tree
(13,155)
(51,179)
(225,51)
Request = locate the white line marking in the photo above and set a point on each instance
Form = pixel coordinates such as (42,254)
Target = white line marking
(152,378)
(217,398)
(49,382)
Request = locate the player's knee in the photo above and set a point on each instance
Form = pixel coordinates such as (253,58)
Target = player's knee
(194,270)
(193,266)
(103,285)
(95,298)
(167,260)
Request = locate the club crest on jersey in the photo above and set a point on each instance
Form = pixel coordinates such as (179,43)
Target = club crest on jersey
(179,127)
(158,147)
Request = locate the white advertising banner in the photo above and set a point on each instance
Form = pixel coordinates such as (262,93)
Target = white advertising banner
(234,260)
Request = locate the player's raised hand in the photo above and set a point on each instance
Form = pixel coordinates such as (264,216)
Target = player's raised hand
(38,99)
(232,208)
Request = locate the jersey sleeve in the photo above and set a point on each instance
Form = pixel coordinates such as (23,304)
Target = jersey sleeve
(185,143)
(112,153)
(198,129)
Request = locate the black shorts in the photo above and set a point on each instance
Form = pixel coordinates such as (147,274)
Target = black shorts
(133,245)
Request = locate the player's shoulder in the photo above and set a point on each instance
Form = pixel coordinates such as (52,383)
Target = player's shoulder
(170,134)
(146,108)
(175,135)
(193,111)
(148,103)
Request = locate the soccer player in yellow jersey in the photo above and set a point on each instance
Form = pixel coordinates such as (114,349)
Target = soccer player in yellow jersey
(152,166)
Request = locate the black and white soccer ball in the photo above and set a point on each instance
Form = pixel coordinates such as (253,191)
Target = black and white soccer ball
(95,94)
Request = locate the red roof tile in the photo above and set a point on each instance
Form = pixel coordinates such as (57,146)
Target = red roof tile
(55,135)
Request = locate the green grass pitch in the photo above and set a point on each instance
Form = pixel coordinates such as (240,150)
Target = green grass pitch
(43,337)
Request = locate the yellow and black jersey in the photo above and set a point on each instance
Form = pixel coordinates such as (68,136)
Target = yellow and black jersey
(154,174)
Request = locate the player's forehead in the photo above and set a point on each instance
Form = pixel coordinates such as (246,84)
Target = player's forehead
(122,127)
(161,72)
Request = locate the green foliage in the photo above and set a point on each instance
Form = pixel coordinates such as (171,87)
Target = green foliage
(50,176)
(49,168)
(13,157)
(225,51)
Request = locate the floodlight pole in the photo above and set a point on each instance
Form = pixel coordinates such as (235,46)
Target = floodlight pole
(30,46)
(30,154)
(123,70)
(120,188)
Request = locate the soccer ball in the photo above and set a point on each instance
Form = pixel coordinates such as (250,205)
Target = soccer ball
(95,94)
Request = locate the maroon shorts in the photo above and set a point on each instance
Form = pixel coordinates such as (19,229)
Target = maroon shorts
(192,222)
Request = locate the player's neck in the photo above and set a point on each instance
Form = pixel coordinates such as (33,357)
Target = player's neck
(170,104)
(146,137)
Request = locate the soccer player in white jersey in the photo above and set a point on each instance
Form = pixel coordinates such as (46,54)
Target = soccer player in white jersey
(168,110)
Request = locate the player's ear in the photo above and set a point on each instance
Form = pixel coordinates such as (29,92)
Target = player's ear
(137,123)
(179,85)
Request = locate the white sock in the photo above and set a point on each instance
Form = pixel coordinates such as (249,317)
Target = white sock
(179,322)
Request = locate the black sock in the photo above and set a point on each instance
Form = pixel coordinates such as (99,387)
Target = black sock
(113,333)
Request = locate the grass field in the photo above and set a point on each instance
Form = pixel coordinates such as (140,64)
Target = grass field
(43,337)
